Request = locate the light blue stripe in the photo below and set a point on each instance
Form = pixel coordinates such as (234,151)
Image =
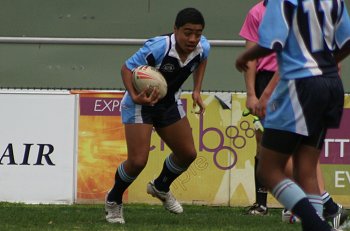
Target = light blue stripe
(316,202)
(123,175)
(173,167)
(288,193)
(325,197)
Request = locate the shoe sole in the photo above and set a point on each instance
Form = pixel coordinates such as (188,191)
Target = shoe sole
(115,221)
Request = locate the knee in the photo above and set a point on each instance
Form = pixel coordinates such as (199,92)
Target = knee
(184,159)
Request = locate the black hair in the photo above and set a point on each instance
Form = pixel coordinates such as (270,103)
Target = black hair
(189,15)
(265,2)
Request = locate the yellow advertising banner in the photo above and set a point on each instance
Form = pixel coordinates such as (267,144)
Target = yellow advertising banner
(222,174)
(225,143)
(101,144)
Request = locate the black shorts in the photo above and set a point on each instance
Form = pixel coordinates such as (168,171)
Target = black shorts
(301,111)
(158,115)
(288,142)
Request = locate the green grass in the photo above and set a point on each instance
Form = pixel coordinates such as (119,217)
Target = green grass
(138,217)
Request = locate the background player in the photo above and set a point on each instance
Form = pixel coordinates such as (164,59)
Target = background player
(258,78)
(176,56)
(310,37)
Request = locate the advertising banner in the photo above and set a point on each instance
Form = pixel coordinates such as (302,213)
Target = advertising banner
(222,174)
(101,144)
(335,158)
(37,147)
(224,140)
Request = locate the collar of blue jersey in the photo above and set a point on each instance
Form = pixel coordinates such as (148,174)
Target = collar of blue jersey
(173,52)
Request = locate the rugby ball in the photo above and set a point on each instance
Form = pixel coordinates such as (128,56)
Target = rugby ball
(148,77)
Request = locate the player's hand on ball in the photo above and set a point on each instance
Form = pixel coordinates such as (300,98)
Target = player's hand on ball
(149,96)
(154,97)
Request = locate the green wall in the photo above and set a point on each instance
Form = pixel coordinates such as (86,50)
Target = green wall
(98,66)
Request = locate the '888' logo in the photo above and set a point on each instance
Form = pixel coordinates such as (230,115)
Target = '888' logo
(237,136)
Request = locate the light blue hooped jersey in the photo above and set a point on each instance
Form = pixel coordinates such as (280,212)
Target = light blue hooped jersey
(305,33)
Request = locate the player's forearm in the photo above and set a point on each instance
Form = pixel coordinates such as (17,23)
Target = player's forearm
(198,76)
(249,77)
(256,52)
(127,81)
(342,53)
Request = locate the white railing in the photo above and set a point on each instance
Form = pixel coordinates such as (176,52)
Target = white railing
(102,41)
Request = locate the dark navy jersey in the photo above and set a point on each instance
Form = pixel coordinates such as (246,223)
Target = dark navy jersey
(160,52)
(305,33)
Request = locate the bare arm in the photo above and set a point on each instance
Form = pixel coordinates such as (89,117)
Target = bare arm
(342,53)
(250,54)
(198,76)
(249,77)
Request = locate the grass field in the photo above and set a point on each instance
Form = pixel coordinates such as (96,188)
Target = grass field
(138,217)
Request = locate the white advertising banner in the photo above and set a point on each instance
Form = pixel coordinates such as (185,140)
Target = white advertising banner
(37,147)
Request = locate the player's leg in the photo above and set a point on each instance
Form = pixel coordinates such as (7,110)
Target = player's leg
(275,152)
(306,162)
(260,205)
(288,216)
(138,138)
(178,137)
(321,113)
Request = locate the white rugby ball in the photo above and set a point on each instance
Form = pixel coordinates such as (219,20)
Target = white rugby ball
(148,77)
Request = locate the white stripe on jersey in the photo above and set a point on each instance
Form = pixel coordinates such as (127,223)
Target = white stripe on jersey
(310,61)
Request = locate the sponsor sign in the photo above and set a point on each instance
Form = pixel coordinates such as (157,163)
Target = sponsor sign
(37,147)
(222,174)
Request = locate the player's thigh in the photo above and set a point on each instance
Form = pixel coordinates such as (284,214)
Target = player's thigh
(178,136)
(271,167)
(138,140)
(288,169)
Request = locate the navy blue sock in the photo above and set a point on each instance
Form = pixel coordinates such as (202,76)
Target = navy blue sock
(310,220)
(330,207)
(260,190)
(168,174)
(122,182)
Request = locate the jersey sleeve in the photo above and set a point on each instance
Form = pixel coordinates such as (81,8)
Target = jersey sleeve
(249,30)
(274,28)
(206,48)
(342,34)
(153,49)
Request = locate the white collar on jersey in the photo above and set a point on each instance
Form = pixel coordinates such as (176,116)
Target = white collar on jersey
(173,52)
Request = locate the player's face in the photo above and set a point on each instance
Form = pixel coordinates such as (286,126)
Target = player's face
(187,37)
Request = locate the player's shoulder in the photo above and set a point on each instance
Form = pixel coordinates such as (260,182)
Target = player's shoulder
(257,9)
(255,15)
(205,43)
(157,42)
